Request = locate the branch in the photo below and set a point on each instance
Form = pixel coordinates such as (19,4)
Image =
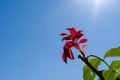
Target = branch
(85,60)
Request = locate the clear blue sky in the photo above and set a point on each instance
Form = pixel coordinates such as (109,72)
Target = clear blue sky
(30,46)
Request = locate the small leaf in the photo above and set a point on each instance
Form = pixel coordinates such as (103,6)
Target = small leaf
(115,64)
(114,52)
(88,74)
(109,75)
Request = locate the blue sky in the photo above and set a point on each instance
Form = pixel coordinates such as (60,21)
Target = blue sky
(30,45)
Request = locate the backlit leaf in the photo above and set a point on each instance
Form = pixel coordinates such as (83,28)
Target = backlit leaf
(115,64)
(110,74)
(114,52)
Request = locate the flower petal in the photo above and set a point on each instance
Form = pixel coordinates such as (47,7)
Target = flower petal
(70,55)
(64,57)
(72,31)
(83,41)
(63,34)
(69,37)
(78,36)
(76,46)
(68,45)
(67,53)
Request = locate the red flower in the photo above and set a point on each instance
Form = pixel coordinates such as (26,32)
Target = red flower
(71,41)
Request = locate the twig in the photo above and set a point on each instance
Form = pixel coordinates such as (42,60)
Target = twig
(102,61)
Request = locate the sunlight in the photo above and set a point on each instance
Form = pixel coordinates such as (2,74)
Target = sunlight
(95,7)
(98,4)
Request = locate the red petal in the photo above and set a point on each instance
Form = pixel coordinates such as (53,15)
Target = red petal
(83,41)
(70,55)
(69,37)
(78,36)
(68,45)
(67,53)
(62,34)
(64,57)
(76,46)
(72,31)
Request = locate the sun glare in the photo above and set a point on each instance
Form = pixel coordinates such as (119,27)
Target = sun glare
(99,5)
(95,6)
(102,3)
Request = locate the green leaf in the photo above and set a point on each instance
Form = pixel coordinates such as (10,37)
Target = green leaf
(109,74)
(119,70)
(114,52)
(88,74)
(115,64)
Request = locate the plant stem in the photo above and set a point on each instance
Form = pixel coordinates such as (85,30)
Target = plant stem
(85,60)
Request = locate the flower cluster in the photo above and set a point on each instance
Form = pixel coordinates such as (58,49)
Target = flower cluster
(72,40)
